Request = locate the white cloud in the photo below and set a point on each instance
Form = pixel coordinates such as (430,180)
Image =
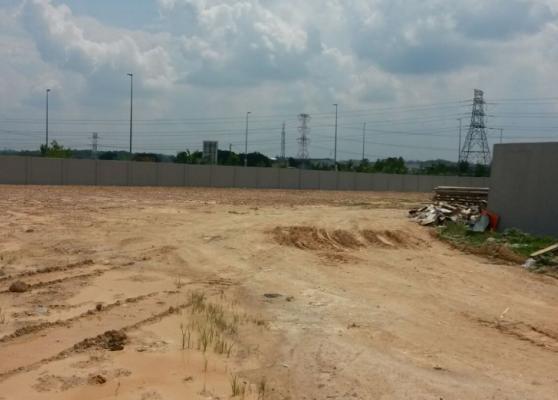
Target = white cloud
(62,41)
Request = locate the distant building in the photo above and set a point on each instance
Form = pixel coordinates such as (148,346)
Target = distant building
(210,151)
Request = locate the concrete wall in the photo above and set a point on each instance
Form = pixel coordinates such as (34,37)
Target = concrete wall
(524,187)
(44,171)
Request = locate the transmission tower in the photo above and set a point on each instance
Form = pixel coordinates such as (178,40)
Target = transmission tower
(475,149)
(303,140)
(94,144)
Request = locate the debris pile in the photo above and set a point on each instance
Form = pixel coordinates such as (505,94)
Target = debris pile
(440,212)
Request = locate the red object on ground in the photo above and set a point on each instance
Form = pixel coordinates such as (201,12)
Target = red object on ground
(494,219)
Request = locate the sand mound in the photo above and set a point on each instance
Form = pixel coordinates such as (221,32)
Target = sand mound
(312,238)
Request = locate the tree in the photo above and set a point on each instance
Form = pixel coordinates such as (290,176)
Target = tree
(55,150)
(390,165)
(146,157)
(186,157)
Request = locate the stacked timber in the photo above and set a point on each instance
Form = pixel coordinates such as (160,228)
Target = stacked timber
(465,196)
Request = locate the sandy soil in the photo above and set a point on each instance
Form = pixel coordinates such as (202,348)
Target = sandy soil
(293,295)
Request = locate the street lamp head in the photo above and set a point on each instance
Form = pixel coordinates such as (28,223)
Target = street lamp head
(48,90)
(130,74)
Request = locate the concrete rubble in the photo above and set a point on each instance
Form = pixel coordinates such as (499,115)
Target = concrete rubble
(440,212)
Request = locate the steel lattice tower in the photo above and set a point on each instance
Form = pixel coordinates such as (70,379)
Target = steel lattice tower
(475,149)
(303,140)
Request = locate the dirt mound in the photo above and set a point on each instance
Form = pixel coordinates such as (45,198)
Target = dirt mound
(312,238)
(110,340)
(19,287)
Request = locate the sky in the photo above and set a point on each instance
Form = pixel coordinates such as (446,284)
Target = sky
(406,68)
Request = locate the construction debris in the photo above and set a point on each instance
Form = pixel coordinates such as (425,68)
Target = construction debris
(465,196)
(546,250)
(439,212)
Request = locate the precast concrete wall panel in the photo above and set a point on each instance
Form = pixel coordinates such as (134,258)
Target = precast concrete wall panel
(13,170)
(170,174)
(329,180)
(79,172)
(45,171)
(198,175)
(246,177)
(363,181)
(380,182)
(395,183)
(547,189)
(112,173)
(410,183)
(222,176)
(524,187)
(143,174)
(268,178)
(289,178)
(425,183)
(309,179)
(346,180)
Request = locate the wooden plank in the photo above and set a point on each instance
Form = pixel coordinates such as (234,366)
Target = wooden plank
(546,250)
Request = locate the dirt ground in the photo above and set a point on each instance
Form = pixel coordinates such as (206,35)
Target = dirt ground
(147,294)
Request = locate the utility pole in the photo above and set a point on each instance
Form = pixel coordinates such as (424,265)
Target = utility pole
(283,144)
(46,125)
(501,135)
(94,144)
(459,149)
(131,107)
(230,147)
(363,140)
(246,141)
(335,146)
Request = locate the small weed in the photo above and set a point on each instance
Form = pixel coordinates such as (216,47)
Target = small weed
(198,302)
(261,388)
(236,388)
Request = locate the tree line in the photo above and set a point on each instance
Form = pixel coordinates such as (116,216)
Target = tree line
(389,165)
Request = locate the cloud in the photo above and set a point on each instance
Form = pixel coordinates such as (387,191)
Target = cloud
(241,43)
(503,19)
(430,37)
(62,41)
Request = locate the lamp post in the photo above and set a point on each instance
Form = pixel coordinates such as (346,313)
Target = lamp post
(131,107)
(335,145)
(46,122)
(246,141)
(459,149)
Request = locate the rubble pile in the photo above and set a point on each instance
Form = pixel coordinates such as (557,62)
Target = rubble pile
(439,212)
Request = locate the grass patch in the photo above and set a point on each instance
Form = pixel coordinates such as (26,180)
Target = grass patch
(510,245)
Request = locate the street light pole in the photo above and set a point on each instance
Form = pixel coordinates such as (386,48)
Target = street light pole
(335,146)
(459,149)
(246,141)
(46,123)
(131,107)
(501,135)
(363,140)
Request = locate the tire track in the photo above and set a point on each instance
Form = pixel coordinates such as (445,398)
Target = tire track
(28,350)
(61,352)
(35,328)
(46,270)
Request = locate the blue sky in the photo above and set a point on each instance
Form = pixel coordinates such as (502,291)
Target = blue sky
(405,67)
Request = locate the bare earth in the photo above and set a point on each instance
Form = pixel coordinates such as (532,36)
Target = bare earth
(293,295)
